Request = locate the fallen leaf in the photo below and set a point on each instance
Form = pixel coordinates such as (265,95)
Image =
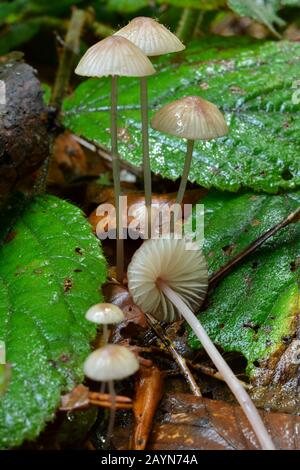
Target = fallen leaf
(69,160)
(185,422)
(148,389)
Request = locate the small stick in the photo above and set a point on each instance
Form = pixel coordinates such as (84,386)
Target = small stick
(224,270)
(108,404)
(213,373)
(180,361)
(66,63)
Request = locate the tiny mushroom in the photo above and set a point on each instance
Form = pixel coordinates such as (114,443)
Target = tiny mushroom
(105,314)
(109,363)
(115,56)
(191,118)
(167,276)
(153,39)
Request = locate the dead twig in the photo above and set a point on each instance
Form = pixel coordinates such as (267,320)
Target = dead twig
(68,55)
(180,361)
(213,373)
(224,270)
(105,155)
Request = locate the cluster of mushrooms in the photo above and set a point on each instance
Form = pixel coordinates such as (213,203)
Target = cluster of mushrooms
(165,279)
(112,361)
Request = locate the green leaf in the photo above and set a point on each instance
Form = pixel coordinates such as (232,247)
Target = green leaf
(18,34)
(250,81)
(255,307)
(126,6)
(264,12)
(197,4)
(51,271)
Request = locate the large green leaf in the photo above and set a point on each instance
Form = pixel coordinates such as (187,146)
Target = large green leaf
(255,307)
(198,4)
(250,81)
(262,11)
(51,271)
(127,6)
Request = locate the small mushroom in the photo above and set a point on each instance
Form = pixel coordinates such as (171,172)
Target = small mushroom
(153,39)
(105,314)
(115,56)
(112,362)
(165,279)
(191,118)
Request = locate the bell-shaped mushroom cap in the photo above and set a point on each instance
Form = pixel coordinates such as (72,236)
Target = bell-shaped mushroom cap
(184,270)
(151,36)
(105,314)
(114,55)
(112,362)
(191,118)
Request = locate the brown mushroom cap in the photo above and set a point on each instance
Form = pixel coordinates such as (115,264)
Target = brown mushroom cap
(191,118)
(151,37)
(114,55)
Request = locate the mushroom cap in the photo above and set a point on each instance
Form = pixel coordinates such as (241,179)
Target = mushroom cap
(114,55)
(105,314)
(150,36)
(192,118)
(112,362)
(185,271)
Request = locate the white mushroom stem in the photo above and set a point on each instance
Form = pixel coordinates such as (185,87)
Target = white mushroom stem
(186,170)
(145,141)
(116,175)
(233,383)
(112,414)
(105,334)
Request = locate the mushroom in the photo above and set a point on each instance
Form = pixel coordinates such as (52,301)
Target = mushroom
(153,39)
(115,56)
(112,362)
(105,314)
(191,118)
(166,279)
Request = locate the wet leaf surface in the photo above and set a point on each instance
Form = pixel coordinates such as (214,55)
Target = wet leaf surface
(186,422)
(51,271)
(255,309)
(251,82)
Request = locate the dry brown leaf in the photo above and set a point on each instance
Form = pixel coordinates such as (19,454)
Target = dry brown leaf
(69,160)
(148,389)
(185,422)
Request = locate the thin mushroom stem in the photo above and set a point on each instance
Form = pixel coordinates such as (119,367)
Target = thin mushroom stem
(233,383)
(112,414)
(186,170)
(116,175)
(146,160)
(105,334)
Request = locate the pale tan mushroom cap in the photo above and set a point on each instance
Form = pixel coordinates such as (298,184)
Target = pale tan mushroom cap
(185,271)
(191,118)
(151,37)
(112,362)
(114,55)
(105,314)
